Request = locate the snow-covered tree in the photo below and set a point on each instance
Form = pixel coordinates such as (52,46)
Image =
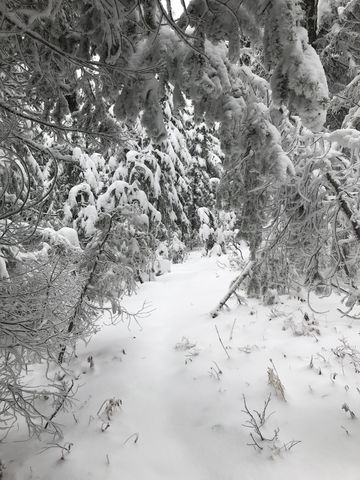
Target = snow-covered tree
(76,78)
(205,172)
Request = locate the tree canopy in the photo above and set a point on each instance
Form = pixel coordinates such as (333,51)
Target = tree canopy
(124,126)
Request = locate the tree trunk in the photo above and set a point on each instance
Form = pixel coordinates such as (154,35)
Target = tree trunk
(311,7)
(233,287)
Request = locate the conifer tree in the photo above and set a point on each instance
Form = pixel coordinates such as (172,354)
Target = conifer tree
(77,76)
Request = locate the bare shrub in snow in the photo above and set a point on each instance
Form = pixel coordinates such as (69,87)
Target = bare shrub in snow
(304,326)
(256,422)
(344,351)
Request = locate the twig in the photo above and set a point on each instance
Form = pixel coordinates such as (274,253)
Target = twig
(217,366)
(255,444)
(232,329)
(214,373)
(218,334)
(255,424)
(136,435)
(346,408)
(60,405)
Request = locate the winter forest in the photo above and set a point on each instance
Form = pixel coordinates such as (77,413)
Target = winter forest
(179,239)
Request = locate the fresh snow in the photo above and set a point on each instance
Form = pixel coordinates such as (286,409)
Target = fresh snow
(189,421)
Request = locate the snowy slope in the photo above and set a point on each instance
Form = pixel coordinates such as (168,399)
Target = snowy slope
(186,416)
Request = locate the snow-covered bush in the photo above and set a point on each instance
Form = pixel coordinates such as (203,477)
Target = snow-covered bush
(177,250)
(39,302)
(162,262)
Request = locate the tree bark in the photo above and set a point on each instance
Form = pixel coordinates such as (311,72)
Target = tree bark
(311,7)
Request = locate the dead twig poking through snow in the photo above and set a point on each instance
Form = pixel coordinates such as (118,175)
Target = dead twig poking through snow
(347,409)
(232,330)
(233,287)
(105,426)
(218,368)
(216,371)
(289,445)
(275,382)
(286,447)
(255,444)
(257,420)
(218,334)
(133,435)
(108,407)
(65,449)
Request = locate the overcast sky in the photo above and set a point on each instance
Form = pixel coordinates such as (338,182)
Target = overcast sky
(176,7)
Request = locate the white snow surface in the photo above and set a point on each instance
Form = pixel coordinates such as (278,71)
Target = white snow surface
(190,424)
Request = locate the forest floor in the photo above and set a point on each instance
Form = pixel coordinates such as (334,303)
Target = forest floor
(182,413)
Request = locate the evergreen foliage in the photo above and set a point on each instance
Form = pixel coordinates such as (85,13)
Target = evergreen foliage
(115,119)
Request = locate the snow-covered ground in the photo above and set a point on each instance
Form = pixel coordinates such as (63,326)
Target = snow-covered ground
(182,413)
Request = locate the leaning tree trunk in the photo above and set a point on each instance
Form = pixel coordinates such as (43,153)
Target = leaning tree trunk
(89,283)
(234,286)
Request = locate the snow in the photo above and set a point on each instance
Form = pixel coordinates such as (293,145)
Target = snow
(4,275)
(188,420)
(345,137)
(64,236)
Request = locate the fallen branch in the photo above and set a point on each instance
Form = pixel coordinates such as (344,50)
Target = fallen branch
(233,287)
